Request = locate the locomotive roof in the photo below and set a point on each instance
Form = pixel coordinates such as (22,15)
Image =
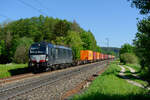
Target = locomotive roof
(52,45)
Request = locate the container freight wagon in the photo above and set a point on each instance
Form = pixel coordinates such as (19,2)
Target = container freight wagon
(97,56)
(104,56)
(94,56)
(109,56)
(113,57)
(101,57)
(86,56)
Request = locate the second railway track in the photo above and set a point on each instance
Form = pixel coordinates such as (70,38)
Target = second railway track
(29,85)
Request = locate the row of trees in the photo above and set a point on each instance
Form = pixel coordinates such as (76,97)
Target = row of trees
(111,51)
(141,43)
(17,36)
(142,39)
(127,54)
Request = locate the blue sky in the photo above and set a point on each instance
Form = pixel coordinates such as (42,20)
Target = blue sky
(113,19)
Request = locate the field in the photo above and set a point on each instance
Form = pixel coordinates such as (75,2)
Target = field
(12,69)
(109,86)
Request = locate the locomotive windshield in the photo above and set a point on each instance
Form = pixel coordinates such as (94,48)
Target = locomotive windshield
(37,49)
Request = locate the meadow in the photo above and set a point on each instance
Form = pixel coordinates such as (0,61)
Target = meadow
(109,86)
(8,70)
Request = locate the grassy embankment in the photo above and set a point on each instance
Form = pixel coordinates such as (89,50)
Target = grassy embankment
(143,73)
(109,86)
(12,69)
(138,72)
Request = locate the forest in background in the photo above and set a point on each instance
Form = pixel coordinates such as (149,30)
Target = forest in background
(17,36)
(110,50)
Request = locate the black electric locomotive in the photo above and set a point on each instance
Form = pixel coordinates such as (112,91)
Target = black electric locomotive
(43,55)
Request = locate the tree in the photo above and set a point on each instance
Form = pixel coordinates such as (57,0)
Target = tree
(6,47)
(143,5)
(89,42)
(21,51)
(74,41)
(129,58)
(20,55)
(16,35)
(2,46)
(111,50)
(126,48)
(142,39)
(142,42)
(48,28)
(61,28)
(60,31)
(75,26)
(1,32)
(3,57)
(98,49)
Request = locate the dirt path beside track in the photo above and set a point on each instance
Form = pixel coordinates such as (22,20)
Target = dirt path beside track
(122,74)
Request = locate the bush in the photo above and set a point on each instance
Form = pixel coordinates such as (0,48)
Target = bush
(21,54)
(128,58)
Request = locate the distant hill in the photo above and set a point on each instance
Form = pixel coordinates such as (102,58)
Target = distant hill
(111,50)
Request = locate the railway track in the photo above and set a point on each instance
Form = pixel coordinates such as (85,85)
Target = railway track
(29,85)
(13,78)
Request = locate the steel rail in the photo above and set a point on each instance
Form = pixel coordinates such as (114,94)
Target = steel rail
(18,89)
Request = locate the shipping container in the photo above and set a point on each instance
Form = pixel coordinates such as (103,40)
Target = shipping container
(109,56)
(94,56)
(86,55)
(106,56)
(97,56)
(102,56)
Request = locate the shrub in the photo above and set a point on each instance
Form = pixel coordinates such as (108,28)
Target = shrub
(21,54)
(128,58)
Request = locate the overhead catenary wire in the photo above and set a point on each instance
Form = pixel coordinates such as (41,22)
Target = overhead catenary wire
(43,6)
(29,5)
(107,39)
(46,9)
(37,1)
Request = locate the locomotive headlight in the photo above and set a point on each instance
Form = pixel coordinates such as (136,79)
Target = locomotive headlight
(46,58)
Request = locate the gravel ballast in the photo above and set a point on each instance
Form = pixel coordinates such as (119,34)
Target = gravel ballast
(55,91)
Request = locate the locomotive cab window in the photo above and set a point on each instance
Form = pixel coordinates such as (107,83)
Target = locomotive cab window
(35,49)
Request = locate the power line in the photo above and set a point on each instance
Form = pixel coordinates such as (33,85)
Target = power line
(41,4)
(29,5)
(107,39)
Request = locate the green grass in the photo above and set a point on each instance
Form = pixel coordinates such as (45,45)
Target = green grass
(12,69)
(127,72)
(144,73)
(109,86)
(136,67)
(137,71)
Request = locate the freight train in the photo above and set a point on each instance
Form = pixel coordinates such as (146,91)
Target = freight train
(46,56)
